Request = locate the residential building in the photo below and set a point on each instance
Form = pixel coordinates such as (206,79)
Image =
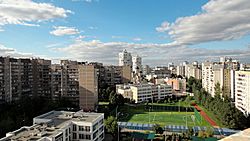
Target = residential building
(88,87)
(220,72)
(70,80)
(42,78)
(146,70)
(61,126)
(117,75)
(180,70)
(144,92)
(124,90)
(207,76)
(137,64)
(178,85)
(242,91)
(125,58)
(193,70)
(56,81)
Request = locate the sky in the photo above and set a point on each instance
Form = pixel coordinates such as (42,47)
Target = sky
(159,31)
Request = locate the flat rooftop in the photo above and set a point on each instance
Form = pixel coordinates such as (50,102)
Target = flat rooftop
(49,125)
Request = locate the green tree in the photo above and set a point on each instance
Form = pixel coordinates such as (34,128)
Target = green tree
(158,129)
(217,90)
(111,125)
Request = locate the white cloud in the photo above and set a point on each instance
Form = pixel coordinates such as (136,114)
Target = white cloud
(137,39)
(116,37)
(164,27)
(4,51)
(26,12)
(153,54)
(220,20)
(62,30)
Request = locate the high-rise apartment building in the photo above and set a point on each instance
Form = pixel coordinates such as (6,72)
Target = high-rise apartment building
(220,72)
(180,70)
(207,76)
(137,64)
(117,75)
(193,70)
(88,87)
(42,78)
(16,78)
(125,58)
(56,81)
(242,91)
(146,70)
(70,80)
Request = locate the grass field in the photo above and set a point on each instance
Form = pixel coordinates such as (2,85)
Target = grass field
(163,118)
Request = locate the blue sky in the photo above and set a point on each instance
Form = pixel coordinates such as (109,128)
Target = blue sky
(160,31)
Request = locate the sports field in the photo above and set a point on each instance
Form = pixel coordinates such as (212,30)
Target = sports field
(161,117)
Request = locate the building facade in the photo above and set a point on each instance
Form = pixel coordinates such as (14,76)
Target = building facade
(125,58)
(88,87)
(137,64)
(144,92)
(242,91)
(24,77)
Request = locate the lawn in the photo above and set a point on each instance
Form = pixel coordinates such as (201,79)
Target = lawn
(163,118)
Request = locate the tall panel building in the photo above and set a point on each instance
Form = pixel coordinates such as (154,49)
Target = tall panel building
(137,64)
(242,91)
(42,78)
(88,87)
(125,58)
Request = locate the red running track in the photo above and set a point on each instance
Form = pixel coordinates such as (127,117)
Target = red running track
(208,119)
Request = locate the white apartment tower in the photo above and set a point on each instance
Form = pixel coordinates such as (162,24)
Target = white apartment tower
(242,91)
(207,76)
(137,64)
(125,58)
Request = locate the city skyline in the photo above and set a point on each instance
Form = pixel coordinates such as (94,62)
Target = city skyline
(97,30)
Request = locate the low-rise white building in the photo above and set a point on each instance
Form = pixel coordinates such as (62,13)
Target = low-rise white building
(61,126)
(144,92)
(242,91)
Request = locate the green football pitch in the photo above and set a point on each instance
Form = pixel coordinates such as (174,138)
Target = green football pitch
(163,118)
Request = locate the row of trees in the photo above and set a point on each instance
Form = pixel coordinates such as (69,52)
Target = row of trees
(221,107)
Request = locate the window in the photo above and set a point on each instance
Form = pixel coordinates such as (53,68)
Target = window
(84,136)
(84,128)
(87,128)
(74,135)
(94,135)
(74,127)
(81,128)
(81,136)
(95,126)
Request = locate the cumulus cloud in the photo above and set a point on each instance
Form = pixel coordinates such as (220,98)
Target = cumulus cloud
(153,54)
(219,20)
(26,12)
(4,51)
(164,27)
(62,30)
